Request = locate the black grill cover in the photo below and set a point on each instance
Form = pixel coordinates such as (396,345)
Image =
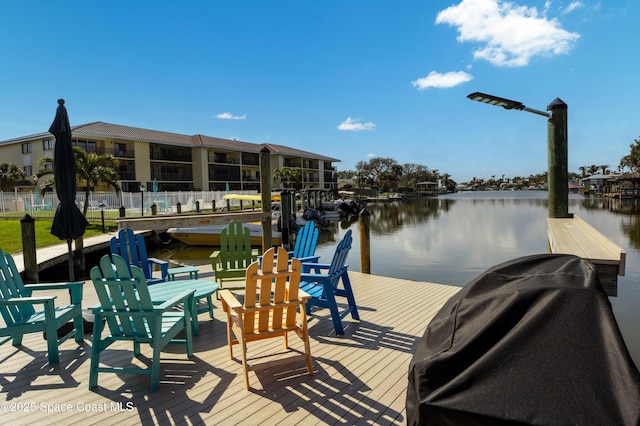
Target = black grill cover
(530,341)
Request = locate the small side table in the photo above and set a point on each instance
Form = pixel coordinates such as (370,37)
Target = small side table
(191,270)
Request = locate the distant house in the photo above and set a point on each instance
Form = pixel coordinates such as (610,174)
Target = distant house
(596,183)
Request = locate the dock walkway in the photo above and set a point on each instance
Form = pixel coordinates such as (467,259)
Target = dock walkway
(359,378)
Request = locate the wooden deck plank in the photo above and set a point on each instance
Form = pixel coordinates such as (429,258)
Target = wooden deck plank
(358,378)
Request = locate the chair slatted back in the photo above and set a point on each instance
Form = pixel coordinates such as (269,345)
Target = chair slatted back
(235,246)
(127,294)
(12,286)
(306,241)
(277,284)
(339,261)
(132,248)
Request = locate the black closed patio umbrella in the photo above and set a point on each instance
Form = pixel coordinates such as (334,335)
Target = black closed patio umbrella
(68,223)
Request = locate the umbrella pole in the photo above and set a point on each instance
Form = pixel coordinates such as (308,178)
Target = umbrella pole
(71,273)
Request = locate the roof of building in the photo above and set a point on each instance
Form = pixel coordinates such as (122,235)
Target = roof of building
(100,129)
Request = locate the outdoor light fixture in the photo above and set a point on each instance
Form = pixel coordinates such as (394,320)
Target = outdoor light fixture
(504,103)
(142,199)
(557,148)
(102,206)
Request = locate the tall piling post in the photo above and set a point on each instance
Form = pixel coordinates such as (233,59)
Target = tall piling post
(28,227)
(557,158)
(265,192)
(365,242)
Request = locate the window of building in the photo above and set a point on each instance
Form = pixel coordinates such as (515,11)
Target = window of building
(28,171)
(26,148)
(119,149)
(47,144)
(88,146)
(48,166)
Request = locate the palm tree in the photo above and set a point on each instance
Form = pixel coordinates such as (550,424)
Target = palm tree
(92,169)
(10,174)
(287,176)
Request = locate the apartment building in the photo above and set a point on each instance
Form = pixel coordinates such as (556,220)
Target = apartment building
(176,162)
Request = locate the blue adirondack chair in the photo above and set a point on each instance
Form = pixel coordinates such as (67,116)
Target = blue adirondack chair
(325,287)
(133,249)
(20,317)
(306,242)
(130,315)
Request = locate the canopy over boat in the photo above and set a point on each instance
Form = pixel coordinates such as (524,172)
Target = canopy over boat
(247,197)
(530,341)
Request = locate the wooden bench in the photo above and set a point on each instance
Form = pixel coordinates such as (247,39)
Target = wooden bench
(575,236)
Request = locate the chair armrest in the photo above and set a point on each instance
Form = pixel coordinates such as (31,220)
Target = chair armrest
(176,300)
(303,295)
(313,277)
(310,259)
(15,301)
(307,266)
(229,301)
(216,260)
(75,289)
(164,266)
(54,286)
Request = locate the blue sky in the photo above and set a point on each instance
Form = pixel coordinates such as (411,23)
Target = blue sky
(347,79)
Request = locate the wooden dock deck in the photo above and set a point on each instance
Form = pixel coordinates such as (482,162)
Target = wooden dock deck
(359,378)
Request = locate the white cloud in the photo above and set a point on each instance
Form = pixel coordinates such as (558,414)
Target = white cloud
(442,81)
(229,116)
(573,6)
(509,35)
(355,125)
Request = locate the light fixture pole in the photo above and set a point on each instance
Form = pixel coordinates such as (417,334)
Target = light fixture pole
(101,205)
(557,148)
(142,199)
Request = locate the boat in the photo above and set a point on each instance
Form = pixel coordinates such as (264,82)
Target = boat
(209,235)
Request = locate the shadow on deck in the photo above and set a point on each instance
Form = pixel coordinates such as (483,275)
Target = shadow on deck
(358,378)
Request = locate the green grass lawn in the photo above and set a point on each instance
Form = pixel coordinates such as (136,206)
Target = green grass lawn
(11,233)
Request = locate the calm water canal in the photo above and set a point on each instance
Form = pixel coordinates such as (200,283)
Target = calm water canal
(452,239)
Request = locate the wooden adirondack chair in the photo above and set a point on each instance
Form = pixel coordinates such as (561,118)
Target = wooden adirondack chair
(324,287)
(230,263)
(130,315)
(133,249)
(20,317)
(271,302)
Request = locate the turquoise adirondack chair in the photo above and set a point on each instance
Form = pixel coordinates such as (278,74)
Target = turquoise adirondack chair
(20,317)
(230,263)
(324,287)
(130,315)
